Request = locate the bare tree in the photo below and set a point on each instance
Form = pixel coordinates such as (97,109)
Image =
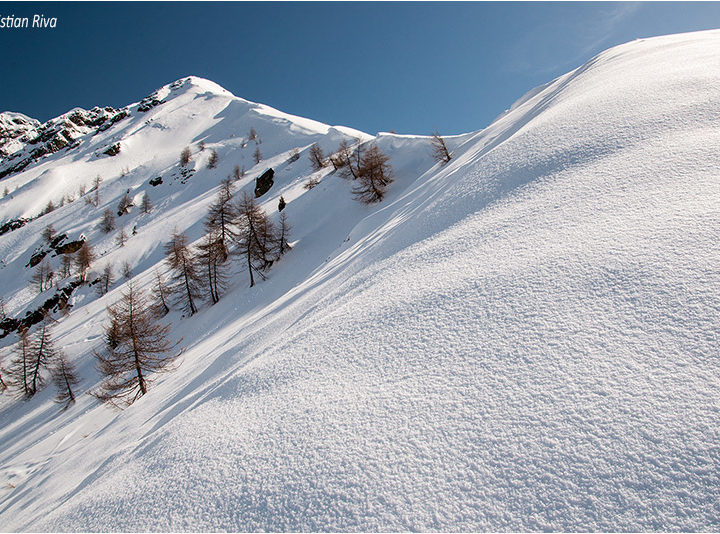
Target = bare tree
(107,223)
(317,158)
(221,215)
(139,346)
(96,190)
(213,160)
(440,150)
(19,370)
(48,208)
(252,135)
(182,262)
(255,237)
(212,256)
(121,238)
(65,379)
(237,173)
(42,352)
(32,356)
(42,275)
(126,270)
(83,260)
(348,159)
(145,204)
(49,233)
(257,155)
(6,192)
(185,156)
(375,174)
(66,264)
(201,145)
(283,234)
(160,292)
(124,205)
(106,279)
(281,203)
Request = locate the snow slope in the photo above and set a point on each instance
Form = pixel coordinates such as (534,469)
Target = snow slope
(523,339)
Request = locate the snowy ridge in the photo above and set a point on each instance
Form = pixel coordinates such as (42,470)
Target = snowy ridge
(522,339)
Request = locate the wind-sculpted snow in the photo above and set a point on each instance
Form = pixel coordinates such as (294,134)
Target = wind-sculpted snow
(523,339)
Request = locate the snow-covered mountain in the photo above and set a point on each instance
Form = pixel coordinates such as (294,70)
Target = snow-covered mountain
(525,338)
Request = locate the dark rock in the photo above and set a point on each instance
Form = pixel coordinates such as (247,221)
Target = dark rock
(69,248)
(55,303)
(112,150)
(12,224)
(56,242)
(36,258)
(264,183)
(149,102)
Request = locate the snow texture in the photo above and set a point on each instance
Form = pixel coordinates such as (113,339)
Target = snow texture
(523,339)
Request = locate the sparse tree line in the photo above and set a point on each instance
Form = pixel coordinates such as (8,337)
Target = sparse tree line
(136,343)
(367,165)
(35,359)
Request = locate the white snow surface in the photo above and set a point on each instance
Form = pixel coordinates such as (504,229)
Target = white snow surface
(523,339)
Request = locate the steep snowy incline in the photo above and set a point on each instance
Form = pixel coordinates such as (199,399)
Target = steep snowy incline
(523,339)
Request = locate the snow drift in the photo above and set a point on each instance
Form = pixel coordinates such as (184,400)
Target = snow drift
(522,339)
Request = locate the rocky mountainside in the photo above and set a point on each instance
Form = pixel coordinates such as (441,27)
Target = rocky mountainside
(522,338)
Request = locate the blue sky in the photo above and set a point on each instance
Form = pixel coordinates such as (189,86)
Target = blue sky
(408,67)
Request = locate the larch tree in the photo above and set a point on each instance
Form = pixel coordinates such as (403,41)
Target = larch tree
(66,263)
(49,233)
(136,347)
(65,379)
(124,205)
(18,371)
(257,155)
(145,204)
(440,150)
(161,294)
(317,158)
(107,223)
(213,160)
(83,260)
(42,276)
(42,353)
(283,234)
(121,237)
(255,237)
(221,215)
(350,159)
(126,270)
(185,156)
(374,175)
(212,257)
(96,191)
(183,263)
(106,279)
